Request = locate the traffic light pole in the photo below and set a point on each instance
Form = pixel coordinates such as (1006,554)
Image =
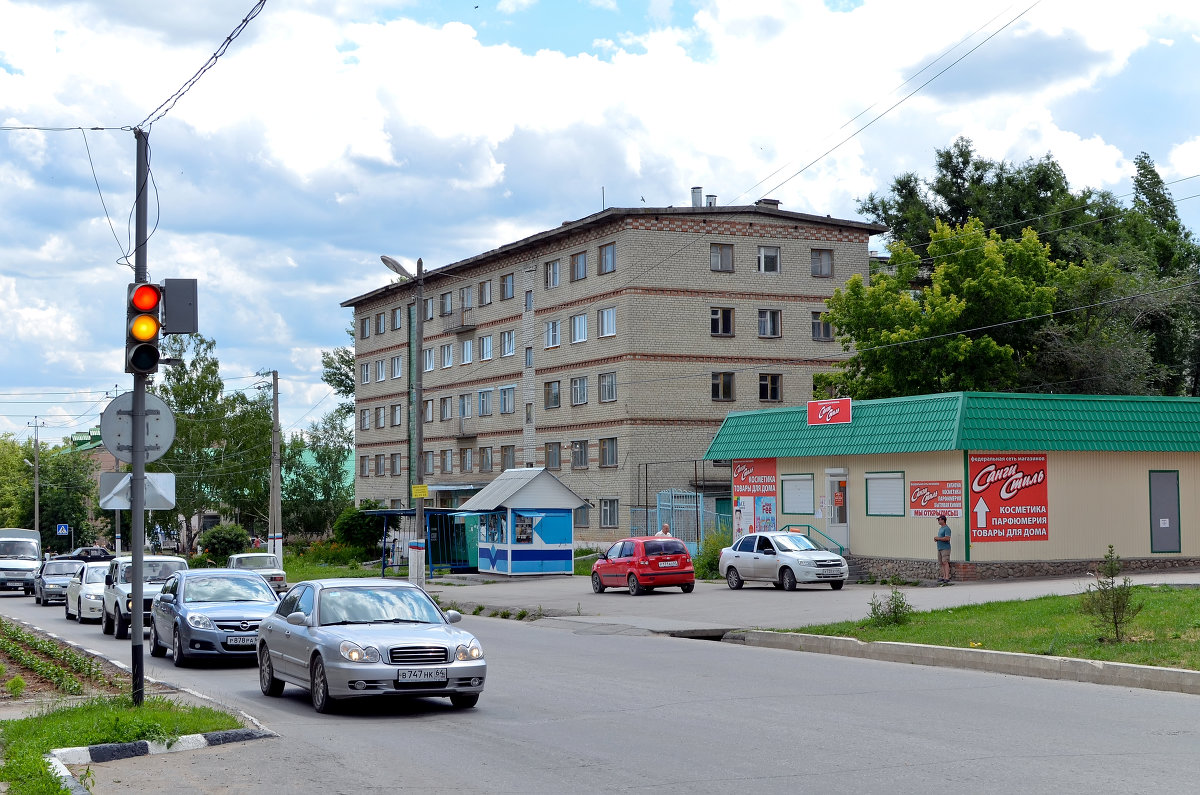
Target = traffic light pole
(137,480)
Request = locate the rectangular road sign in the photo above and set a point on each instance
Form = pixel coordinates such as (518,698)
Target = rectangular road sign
(64,529)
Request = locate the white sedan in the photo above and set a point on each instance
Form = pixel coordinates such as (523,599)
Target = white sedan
(782,559)
(85,592)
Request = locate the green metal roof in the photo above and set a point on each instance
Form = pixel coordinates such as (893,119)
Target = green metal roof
(968,421)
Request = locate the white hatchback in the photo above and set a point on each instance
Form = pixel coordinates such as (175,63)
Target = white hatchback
(85,592)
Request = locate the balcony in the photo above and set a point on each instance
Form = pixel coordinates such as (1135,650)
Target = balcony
(466,428)
(459,321)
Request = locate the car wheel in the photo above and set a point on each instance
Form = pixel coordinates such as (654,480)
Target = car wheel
(597,586)
(319,687)
(465,701)
(789,579)
(777,585)
(837,584)
(122,628)
(267,683)
(180,658)
(688,587)
(106,623)
(157,649)
(67,609)
(733,579)
(635,588)
(37,598)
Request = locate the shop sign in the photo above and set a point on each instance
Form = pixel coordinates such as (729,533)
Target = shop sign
(1008,498)
(828,412)
(935,498)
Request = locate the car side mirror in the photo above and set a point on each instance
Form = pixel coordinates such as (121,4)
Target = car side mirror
(768,552)
(453,616)
(108,580)
(167,597)
(298,619)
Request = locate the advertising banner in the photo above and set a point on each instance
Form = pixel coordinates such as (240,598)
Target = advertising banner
(1008,499)
(935,498)
(754,493)
(826,412)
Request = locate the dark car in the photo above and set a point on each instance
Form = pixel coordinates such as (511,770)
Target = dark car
(642,564)
(86,553)
(210,613)
(50,582)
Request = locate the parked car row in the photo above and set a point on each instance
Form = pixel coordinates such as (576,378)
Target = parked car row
(784,559)
(338,638)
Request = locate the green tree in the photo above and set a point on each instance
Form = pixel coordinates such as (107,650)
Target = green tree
(337,370)
(224,540)
(67,491)
(316,485)
(357,529)
(1110,604)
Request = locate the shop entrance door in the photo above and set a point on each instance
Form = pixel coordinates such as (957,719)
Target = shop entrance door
(837,501)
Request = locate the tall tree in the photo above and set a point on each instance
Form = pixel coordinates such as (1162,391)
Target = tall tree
(316,484)
(337,370)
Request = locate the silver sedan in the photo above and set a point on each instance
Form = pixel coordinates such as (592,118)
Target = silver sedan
(782,559)
(349,638)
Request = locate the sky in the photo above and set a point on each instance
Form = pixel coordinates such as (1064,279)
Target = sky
(330,132)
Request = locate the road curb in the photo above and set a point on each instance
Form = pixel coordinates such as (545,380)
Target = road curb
(1100,672)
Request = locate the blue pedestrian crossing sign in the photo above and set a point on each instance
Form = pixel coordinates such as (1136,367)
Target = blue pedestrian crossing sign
(64,529)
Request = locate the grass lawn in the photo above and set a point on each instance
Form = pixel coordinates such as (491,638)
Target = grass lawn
(1165,633)
(298,569)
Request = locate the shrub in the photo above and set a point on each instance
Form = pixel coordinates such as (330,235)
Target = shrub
(896,610)
(1108,603)
(707,560)
(333,553)
(15,686)
(357,529)
(224,540)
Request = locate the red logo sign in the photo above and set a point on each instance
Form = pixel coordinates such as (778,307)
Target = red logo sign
(935,498)
(1008,497)
(828,412)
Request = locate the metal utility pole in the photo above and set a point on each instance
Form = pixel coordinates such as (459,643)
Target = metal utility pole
(419,430)
(274,522)
(137,481)
(37,476)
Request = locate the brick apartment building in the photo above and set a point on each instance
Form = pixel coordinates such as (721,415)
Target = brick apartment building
(607,350)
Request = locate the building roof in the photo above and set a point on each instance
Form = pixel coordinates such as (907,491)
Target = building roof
(968,421)
(607,216)
(523,488)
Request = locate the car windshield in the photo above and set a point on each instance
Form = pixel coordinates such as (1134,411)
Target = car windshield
(665,546)
(153,570)
(368,605)
(256,562)
(227,589)
(61,568)
(18,548)
(793,543)
(95,574)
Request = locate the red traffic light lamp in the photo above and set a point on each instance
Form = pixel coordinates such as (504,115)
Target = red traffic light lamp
(142,327)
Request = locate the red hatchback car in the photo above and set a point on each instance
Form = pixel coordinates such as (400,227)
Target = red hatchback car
(644,563)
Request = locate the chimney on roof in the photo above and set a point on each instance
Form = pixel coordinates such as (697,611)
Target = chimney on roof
(697,196)
(768,203)
(710,200)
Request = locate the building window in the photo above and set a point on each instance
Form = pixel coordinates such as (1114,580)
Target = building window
(485,292)
(579,328)
(529,300)
(581,517)
(364,371)
(508,343)
(364,328)
(607,387)
(430,457)
(529,357)
(427,357)
(551,274)
(465,295)
(768,259)
(608,258)
(380,464)
(721,321)
(508,456)
(380,370)
(464,405)
(885,493)
(364,420)
(446,408)
(397,464)
(485,459)
(364,466)
(579,454)
(466,460)
(610,512)
(397,414)
(722,386)
(468,351)
(770,322)
(485,403)
(397,367)
(430,304)
(608,452)
(448,462)
(397,316)
(448,355)
(554,455)
(821,329)
(579,391)
(552,334)
(381,416)
(506,286)
(528,413)
(606,322)
(579,266)
(508,396)
(720,257)
(447,303)
(822,262)
(553,396)
(427,410)
(380,323)
(485,347)
(769,386)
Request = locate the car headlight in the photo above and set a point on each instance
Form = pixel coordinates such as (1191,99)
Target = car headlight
(359,654)
(92,597)
(200,621)
(471,651)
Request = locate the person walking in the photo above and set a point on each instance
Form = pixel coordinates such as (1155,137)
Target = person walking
(943,550)
(666,530)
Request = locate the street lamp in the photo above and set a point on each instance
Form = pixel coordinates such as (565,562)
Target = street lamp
(36,475)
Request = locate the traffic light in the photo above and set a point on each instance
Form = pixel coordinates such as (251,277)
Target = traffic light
(142,328)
